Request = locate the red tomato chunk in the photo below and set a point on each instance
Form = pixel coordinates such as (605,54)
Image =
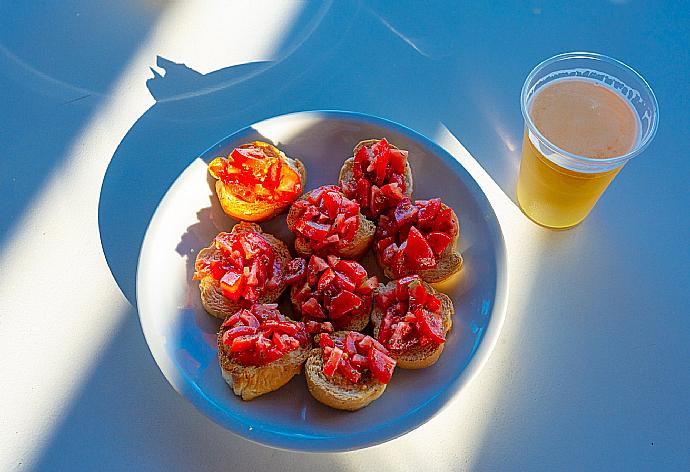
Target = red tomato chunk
(356,357)
(260,335)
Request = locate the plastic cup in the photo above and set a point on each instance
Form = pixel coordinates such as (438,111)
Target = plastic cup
(558,189)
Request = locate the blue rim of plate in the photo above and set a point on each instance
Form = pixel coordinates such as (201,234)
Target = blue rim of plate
(291,441)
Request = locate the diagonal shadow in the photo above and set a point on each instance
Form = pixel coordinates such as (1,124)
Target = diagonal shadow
(51,89)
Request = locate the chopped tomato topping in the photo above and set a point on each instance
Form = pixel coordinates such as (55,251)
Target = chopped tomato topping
(412,236)
(332,288)
(327,221)
(356,357)
(331,364)
(257,172)
(377,182)
(260,335)
(381,365)
(412,316)
(244,265)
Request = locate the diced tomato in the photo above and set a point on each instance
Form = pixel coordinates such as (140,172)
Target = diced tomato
(393,192)
(438,241)
(313,327)
(444,221)
(251,294)
(332,363)
(332,202)
(326,279)
(350,228)
(317,265)
(313,230)
(286,327)
(368,343)
(344,283)
(418,253)
(278,341)
(349,344)
(418,294)
(368,286)
(271,354)
(389,253)
(231,320)
(237,331)
(405,212)
(333,260)
(378,202)
(382,244)
(381,158)
(398,160)
(353,270)
(248,318)
(296,271)
(289,183)
(350,207)
(398,341)
(363,190)
(361,158)
(345,368)
(243,343)
(312,309)
(384,299)
(327,327)
(326,340)
(433,303)
(428,211)
(431,325)
(381,365)
(231,285)
(360,361)
(343,303)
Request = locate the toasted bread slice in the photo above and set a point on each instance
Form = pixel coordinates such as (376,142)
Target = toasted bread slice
(257,211)
(250,382)
(356,323)
(346,173)
(338,392)
(353,251)
(211,295)
(418,357)
(449,261)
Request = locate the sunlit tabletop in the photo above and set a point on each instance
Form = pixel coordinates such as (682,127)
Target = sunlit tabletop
(103,104)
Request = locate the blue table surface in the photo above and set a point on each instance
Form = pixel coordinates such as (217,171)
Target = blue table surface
(427,65)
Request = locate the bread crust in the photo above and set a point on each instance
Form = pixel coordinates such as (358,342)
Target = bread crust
(354,251)
(212,297)
(449,261)
(338,392)
(346,173)
(249,382)
(417,357)
(257,211)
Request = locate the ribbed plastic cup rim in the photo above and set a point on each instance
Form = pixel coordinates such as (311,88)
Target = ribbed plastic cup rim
(608,162)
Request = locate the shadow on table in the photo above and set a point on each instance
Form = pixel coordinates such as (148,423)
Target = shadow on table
(52,88)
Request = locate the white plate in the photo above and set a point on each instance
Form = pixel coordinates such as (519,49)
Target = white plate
(182,337)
